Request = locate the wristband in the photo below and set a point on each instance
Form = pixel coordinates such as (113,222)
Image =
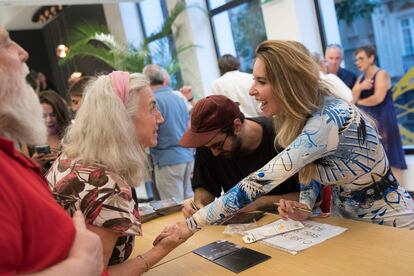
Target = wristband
(147,267)
(192,224)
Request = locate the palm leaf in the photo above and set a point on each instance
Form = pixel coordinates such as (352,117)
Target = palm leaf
(95,41)
(166,27)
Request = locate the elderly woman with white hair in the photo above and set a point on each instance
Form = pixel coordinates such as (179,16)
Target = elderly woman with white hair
(103,158)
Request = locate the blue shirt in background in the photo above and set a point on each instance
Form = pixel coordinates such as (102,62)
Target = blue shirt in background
(168,152)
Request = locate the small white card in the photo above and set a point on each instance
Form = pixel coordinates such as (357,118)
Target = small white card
(269,230)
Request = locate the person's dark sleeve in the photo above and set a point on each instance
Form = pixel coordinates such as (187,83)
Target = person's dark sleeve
(204,175)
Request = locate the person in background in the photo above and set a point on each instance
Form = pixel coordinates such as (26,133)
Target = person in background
(372,93)
(173,164)
(334,55)
(340,89)
(186,92)
(37,236)
(76,91)
(229,148)
(32,80)
(103,159)
(235,85)
(325,138)
(73,77)
(57,118)
(44,83)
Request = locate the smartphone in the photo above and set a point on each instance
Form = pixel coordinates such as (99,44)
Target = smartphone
(45,149)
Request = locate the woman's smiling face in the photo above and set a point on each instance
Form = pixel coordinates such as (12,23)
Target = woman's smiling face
(262,90)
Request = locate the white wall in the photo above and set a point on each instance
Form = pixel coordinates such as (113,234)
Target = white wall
(123,22)
(198,65)
(327,8)
(292,20)
(131,23)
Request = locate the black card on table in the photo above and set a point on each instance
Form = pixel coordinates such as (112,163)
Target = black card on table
(241,218)
(231,256)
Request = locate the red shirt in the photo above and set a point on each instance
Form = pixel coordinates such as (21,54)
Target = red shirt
(35,232)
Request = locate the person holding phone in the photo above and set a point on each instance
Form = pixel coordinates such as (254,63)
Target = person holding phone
(56,116)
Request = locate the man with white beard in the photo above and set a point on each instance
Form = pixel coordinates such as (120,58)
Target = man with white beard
(36,235)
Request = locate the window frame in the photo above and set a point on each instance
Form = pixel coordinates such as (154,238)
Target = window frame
(218,10)
(171,43)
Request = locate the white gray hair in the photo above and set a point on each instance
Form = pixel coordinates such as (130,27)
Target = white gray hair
(335,46)
(154,73)
(104,133)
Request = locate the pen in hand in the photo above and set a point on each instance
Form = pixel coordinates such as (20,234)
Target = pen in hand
(309,211)
(193,205)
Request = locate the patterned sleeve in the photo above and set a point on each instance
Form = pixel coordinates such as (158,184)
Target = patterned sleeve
(309,193)
(318,139)
(104,198)
(111,206)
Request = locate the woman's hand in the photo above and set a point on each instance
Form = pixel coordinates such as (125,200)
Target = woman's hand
(172,236)
(287,210)
(189,208)
(187,91)
(366,85)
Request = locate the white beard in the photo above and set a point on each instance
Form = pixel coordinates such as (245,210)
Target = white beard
(21,115)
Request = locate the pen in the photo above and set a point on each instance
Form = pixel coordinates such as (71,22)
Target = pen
(193,205)
(297,208)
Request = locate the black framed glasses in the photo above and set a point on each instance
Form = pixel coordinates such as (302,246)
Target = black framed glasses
(218,146)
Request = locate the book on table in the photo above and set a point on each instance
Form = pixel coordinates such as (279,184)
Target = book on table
(241,218)
(158,208)
(231,256)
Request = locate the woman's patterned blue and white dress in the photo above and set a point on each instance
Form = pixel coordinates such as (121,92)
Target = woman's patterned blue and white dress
(345,147)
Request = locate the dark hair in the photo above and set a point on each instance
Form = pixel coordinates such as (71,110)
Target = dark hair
(31,79)
(78,87)
(368,49)
(228,63)
(59,106)
(230,129)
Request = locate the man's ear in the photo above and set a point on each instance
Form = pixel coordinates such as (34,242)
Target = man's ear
(237,125)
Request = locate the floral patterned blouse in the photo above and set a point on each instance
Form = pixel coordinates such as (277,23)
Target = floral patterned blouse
(104,198)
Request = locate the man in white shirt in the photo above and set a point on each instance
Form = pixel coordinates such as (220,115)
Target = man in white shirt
(235,85)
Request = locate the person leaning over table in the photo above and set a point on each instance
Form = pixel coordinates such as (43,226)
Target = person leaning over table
(325,138)
(229,148)
(103,159)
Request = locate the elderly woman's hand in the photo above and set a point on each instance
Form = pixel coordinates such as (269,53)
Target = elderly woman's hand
(172,236)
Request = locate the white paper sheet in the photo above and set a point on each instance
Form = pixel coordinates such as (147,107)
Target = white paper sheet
(298,240)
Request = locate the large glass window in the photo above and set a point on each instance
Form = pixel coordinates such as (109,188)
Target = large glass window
(238,28)
(153,14)
(406,29)
(388,25)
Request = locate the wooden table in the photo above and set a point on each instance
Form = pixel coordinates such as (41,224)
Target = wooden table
(364,249)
